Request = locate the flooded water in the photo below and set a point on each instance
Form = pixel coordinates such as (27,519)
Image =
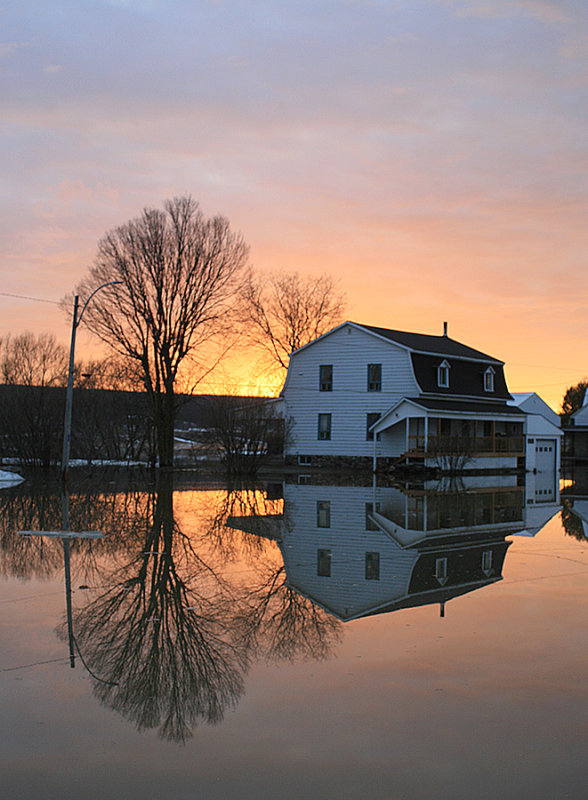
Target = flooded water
(294,639)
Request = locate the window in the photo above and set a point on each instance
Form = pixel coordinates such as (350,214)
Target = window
(370,525)
(324,426)
(323,514)
(323,563)
(487,562)
(326,378)
(489,380)
(370,420)
(441,570)
(374,378)
(372,566)
(443,375)
(305,461)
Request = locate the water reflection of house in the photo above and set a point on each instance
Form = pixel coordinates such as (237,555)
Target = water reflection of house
(358,551)
(575,503)
(367,393)
(575,517)
(576,433)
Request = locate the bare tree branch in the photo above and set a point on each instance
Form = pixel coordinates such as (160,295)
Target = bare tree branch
(283,312)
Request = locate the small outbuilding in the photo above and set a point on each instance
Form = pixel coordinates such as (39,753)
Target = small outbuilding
(543,433)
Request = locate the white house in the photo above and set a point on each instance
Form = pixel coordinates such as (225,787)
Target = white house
(360,550)
(543,433)
(364,393)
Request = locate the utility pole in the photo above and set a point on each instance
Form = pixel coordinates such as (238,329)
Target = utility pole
(70,376)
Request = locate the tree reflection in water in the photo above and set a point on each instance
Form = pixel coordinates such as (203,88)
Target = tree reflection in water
(284,624)
(171,626)
(161,634)
(272,619)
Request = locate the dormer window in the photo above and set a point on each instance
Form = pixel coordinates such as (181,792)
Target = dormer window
(443,375)
(489,380)
(487,562)
(441,570)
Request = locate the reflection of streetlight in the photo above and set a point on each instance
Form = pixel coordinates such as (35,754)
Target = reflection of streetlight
(69,398)
(66,535)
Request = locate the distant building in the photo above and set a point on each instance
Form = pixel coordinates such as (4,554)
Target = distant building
(364,394)
(543,433)
(576,433)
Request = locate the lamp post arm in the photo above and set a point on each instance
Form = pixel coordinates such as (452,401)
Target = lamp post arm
(110,283)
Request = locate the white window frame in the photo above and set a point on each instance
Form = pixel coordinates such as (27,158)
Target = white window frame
(325,385)
(489,380)
(443,375)
(324,433)
(441,570)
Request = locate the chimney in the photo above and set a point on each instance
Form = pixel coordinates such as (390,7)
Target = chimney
(444,329)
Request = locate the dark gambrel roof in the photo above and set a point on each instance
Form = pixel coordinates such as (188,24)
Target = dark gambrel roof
(425,343)
(465,377)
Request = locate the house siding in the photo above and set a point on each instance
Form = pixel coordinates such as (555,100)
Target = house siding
(346,592)
(350,351)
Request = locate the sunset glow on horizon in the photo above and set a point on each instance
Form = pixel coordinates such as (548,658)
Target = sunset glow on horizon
(431,155)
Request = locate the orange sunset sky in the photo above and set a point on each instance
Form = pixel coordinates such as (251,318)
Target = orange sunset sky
(431,154)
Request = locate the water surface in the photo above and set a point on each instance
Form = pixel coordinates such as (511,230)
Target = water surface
(294,639)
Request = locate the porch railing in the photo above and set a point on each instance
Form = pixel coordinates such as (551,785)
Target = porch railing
(476,445)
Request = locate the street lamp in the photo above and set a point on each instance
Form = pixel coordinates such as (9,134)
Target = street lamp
(69,397)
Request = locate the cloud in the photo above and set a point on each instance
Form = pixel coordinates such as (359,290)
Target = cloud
(547,11)
(431,154)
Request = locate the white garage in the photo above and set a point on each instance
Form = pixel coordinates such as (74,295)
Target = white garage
(543,434)
(545,455)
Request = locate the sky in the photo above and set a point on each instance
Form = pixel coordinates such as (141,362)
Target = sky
(429,154)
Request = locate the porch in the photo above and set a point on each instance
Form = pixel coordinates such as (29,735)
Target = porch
(433,436)
(449,435)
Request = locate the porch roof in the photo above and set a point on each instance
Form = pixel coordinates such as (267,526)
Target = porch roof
(446,408)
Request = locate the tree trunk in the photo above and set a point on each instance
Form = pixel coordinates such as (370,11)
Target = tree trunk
(165,417)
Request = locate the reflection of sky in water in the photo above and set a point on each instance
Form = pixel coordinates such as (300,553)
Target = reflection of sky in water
(488,700)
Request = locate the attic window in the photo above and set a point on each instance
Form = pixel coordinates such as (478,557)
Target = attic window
(489,380)
(326,378)
(374,378)
(443,375)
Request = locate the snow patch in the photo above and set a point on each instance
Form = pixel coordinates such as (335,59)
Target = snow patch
(9,478)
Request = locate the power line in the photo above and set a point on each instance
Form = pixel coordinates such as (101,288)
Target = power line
(538,366)
(26,297)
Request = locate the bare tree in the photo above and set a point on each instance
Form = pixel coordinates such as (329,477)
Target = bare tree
(29,360)
(284,311)
(246,430)
(178,273)
(32,368)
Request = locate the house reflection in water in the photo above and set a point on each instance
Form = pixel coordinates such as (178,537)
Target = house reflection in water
(362,550)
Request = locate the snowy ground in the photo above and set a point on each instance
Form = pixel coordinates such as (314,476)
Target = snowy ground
(9,478)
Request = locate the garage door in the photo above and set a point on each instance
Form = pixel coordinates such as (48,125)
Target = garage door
(545,451)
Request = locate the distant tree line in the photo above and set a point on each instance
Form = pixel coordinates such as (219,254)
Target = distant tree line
(112,418)
(110,421)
